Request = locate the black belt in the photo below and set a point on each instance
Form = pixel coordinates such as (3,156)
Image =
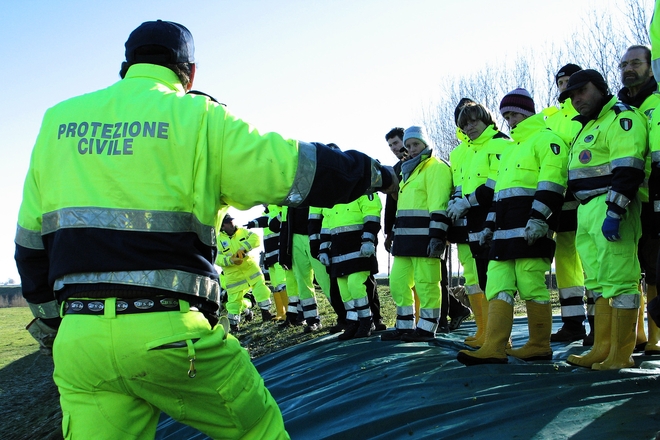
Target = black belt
(122,306)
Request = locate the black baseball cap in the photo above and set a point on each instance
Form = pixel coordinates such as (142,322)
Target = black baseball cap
(228,218)
(174,37)
(581,79)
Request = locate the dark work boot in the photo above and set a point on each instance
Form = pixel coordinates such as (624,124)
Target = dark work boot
(291,321)
(364,330)
(566,334)
(266,315)
(588,340)
(339,327)
(419,335)
(394,335)
(350,331)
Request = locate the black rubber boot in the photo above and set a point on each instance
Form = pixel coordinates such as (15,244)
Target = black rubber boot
(266,315)
(291,321)
(365,327)
(350,331)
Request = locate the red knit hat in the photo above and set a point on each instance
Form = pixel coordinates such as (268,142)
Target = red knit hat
(518,100)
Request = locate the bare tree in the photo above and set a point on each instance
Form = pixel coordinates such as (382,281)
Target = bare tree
(598,44)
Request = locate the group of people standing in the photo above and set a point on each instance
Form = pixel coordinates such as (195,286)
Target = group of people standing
(569,183)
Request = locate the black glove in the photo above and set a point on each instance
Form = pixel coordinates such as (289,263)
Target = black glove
(435,248)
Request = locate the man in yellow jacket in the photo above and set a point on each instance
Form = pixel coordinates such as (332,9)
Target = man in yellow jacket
(117,231)
(605,170)
(641,90)
(242,273)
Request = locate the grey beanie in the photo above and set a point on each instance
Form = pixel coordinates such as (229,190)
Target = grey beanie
(416,132)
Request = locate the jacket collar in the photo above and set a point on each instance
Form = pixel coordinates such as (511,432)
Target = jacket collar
(160,74)
(637,100)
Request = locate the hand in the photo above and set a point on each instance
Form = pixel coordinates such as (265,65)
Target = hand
(534,230)
(388,243)
(485,237)
(611,226)
(251,224)
(367,249)
(43,334)
(324,259)
(459,208)
(237,258)
(435,248)
(393,189)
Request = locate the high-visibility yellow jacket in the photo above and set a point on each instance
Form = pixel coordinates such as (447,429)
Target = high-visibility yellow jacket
(126,186)
(422,205)
(483,162)
(607,156)
(531,182)
(560,120)
(345,227)
(458,230)
(646,100)
(228,246)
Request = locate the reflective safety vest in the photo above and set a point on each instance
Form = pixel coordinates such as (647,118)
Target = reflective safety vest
(607,156)
(422,207)
(531,182)
(345,227)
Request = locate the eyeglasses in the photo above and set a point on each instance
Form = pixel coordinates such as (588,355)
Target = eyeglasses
(634,64)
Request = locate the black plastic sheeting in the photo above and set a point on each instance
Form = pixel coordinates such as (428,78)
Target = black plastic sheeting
(369,389)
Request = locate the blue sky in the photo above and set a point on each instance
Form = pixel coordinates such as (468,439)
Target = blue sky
(342,71)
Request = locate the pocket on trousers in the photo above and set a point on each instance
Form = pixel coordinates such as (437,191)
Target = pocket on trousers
(172,341)
(244,394)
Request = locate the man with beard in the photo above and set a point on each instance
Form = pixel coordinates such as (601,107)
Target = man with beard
(640,90)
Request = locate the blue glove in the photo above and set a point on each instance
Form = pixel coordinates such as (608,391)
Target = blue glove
(611,226)
(485,237)
(324,259)
(367,249)
(534,230)
(459,208)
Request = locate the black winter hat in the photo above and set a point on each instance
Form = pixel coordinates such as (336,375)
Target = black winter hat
(568,70)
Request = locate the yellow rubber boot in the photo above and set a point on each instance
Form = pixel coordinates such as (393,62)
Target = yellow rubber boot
(478,342)
(602,333)
(624,324)
(653,345)
(498,331)
(539,323)
(475,304)
(641,333)
(281,301)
